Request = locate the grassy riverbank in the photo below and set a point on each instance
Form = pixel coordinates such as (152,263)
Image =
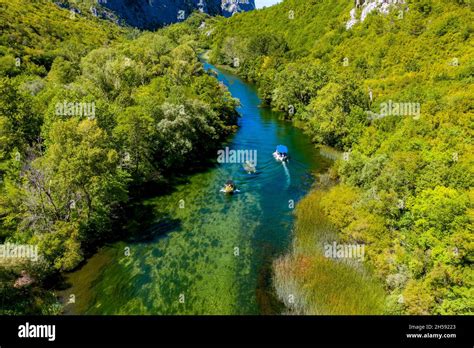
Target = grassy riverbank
(308,282)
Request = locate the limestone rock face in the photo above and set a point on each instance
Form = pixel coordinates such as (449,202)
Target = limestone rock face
(152,14)
(24,280)
(230,7)
(364,7)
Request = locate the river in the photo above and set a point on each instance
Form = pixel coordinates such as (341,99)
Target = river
(213,252)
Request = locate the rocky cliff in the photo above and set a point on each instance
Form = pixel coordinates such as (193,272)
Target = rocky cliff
(362,8)
(151,14)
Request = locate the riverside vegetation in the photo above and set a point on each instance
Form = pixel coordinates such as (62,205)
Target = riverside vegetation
(69,176)
(404,188)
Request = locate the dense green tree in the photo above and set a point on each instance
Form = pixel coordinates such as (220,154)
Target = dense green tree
(19,126)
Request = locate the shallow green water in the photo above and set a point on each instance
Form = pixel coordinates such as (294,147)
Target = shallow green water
(213,253)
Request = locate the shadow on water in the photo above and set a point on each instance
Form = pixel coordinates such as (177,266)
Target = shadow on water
(267,300)
(159,229)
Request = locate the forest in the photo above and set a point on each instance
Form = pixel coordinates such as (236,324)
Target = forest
(94,115)
(91,116)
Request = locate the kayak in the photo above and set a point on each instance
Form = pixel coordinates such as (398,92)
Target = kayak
(249,167)
(229,188)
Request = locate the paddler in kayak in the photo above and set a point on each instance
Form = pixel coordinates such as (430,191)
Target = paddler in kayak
(249,167)
(229,187)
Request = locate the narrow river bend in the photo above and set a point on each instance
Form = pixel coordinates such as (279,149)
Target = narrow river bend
(215,253)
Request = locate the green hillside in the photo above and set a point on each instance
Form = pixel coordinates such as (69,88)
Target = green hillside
(91,117)
(94,117)
(37,32)
(395,93)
